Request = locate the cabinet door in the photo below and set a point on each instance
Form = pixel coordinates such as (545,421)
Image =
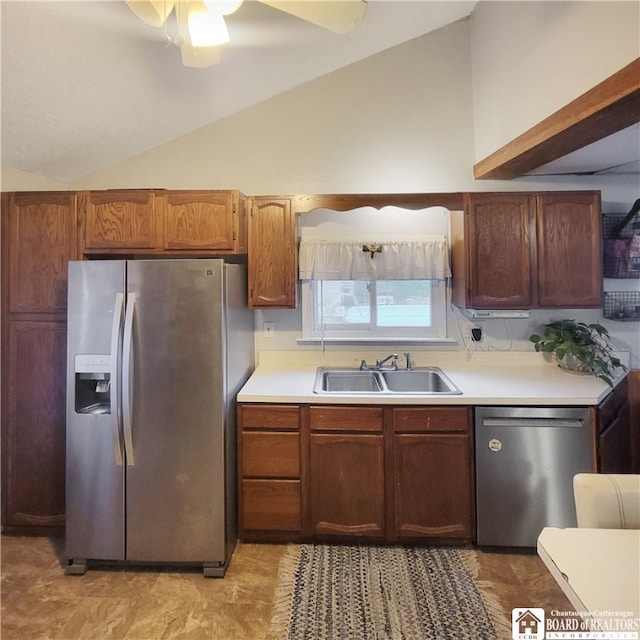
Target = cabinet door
(199,220)
(116,220)
(347,484)
(34,441)
(42,239)
(498,245)
(614,444)
(432,486)
(272,254)
(569,249)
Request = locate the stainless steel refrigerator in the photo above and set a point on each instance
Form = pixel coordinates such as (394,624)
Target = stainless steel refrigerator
(157,351)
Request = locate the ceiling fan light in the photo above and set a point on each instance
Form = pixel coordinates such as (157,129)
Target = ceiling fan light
(206,28)
(223,7)
(151,12)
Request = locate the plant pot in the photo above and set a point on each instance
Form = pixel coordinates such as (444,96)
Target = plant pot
(571,363)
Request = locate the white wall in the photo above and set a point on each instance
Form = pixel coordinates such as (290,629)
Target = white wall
(529,59)
(398,121)
(16,180)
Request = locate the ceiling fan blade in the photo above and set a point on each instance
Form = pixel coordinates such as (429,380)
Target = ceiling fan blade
(198,57)
(339,16)
(151,12)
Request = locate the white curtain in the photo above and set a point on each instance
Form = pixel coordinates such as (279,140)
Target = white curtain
(424,259)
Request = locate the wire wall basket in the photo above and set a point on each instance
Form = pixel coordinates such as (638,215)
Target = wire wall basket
(621,254)
(623,306)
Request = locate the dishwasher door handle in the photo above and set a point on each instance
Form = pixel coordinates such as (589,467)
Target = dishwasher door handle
(531,422)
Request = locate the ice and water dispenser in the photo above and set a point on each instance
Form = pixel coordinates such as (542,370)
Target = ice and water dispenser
(93,384)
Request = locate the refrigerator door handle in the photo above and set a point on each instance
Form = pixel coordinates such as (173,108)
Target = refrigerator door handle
(118,312)
(127,377)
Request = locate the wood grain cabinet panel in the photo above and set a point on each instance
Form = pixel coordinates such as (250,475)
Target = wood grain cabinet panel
(492,254)
(527,250)
(432,487)
(427,419)
(272,416)
(199,220)
(568,231)
(614,431)
(275,455)
(269,470)
(272,254)
(347,490)
(338,418)
(120,219)
(270,505)
(42,239)
(35,428)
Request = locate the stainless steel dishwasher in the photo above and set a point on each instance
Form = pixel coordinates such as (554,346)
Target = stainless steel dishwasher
(526,458)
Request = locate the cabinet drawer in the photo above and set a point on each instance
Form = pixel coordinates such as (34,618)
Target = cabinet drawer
(431,419)
(272,416)
(345,418)
(270,455)
(271,505)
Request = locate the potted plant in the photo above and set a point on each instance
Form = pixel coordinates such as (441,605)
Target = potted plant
(579,347)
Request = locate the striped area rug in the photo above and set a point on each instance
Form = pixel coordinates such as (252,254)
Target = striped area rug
(333,592)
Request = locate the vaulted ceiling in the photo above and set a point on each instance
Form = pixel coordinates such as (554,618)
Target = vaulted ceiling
(86,85)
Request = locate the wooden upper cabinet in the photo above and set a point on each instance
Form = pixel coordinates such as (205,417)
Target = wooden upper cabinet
(492,251)
(120,219)
(42,233)
(204,220)
(527,251)
(569,246)
(147,221)
(272,254)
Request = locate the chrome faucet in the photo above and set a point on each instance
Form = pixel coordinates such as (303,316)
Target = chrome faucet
(409,364)
(394,361)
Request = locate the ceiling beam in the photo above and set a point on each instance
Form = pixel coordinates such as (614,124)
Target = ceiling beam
(610,106)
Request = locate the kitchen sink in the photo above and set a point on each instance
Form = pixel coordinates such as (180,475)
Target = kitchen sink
(421,380)
(431,380)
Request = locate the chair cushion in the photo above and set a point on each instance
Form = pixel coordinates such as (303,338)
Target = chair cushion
(607,501)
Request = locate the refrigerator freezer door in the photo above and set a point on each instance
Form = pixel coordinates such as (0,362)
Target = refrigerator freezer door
(94,471)
(175,487)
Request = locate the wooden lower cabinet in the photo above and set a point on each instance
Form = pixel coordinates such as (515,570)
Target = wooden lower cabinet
(270,497)
(270,505)
(346,476)
(432,487)
(34,440)
(614,432)
(355,472)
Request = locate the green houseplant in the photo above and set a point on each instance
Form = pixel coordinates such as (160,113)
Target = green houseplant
(580,347)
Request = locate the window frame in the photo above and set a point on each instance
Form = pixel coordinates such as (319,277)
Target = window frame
(437,332)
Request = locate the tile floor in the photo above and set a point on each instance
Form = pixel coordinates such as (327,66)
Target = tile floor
(40,602)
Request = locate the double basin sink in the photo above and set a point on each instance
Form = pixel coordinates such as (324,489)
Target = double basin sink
(420,380)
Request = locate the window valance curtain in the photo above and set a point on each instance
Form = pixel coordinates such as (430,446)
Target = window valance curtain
(423,259)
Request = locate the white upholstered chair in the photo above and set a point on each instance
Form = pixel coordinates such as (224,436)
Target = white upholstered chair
(607,501)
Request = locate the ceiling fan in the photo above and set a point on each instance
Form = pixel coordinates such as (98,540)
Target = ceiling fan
(202,29)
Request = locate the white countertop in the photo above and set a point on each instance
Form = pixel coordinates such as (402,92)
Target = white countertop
(513,378)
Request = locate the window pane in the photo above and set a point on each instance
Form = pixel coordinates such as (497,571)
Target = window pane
(342,302)
(404,303)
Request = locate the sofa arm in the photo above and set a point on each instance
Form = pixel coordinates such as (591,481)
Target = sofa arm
(607,501)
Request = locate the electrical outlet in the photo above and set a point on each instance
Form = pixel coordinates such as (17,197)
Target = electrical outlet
(476,334)
(268,329)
